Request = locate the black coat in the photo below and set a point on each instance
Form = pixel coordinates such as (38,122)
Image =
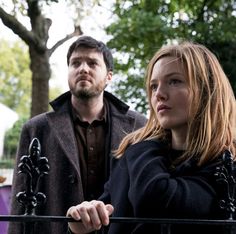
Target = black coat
(63,186)
(144,184)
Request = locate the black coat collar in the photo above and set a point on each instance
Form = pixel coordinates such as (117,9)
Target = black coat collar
(59,101)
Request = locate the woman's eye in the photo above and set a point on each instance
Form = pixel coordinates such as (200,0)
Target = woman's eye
(175,81)
(154,87)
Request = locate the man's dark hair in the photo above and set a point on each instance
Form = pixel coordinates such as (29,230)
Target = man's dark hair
(91,43)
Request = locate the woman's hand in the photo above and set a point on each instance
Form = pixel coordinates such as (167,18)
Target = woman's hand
(93,215)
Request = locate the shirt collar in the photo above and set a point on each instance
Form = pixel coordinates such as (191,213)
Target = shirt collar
(102,118)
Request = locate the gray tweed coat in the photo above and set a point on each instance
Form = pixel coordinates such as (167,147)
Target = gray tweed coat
(63,186)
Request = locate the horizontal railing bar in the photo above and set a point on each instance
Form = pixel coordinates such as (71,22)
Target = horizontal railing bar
(38,218)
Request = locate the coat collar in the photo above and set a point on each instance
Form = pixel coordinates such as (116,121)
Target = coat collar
(59,101)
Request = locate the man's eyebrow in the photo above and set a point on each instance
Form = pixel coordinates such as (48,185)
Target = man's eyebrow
(84,57)
(93,59)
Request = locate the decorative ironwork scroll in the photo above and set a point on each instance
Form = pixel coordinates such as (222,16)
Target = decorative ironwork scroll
(34,166)
(226,178)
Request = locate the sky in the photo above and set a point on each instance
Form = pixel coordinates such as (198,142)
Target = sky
(92,25)
(62,24)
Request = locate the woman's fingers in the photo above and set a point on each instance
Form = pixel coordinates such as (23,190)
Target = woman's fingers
(72,212)
(102,214)
(109,209)
(93,215)
(79,212)
(89,213)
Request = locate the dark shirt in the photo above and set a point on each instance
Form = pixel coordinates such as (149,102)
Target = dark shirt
(91,140)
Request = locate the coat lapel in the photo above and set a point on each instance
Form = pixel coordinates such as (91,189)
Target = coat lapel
(120,127)
(64,132)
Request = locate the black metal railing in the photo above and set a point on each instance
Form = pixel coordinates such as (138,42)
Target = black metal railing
(165,224)
(34,166)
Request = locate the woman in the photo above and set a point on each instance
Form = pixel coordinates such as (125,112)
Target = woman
(166,169)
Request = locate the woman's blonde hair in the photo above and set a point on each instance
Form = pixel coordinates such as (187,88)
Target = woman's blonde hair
(212,111)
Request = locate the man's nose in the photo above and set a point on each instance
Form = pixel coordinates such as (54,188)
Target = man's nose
(83,68)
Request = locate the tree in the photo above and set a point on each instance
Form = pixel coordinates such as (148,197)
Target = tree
(143,26)
(36,39)
(15,77)
(12,139)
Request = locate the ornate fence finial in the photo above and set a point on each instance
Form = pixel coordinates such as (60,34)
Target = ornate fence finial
(34,166)
(226,177)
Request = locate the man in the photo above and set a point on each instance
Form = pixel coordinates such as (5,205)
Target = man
(78,136)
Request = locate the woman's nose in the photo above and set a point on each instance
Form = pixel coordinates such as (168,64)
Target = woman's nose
(161,93)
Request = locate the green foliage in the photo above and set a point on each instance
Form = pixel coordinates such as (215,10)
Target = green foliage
(131,40)
(143,26)
(15,77)
(54,92)
(7,163)
(12,139)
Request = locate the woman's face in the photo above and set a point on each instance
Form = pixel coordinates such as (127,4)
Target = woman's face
(170,97)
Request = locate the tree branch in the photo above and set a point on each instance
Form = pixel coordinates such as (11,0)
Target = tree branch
(12,23)
(77,32)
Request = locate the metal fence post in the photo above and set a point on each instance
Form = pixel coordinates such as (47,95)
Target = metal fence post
(34,166)
(226,178)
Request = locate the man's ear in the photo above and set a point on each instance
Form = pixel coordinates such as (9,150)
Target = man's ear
(109,77)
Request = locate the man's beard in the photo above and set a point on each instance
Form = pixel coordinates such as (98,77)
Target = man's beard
(88,93)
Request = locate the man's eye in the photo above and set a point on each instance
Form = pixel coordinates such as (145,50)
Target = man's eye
(92,63)
(75,63)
